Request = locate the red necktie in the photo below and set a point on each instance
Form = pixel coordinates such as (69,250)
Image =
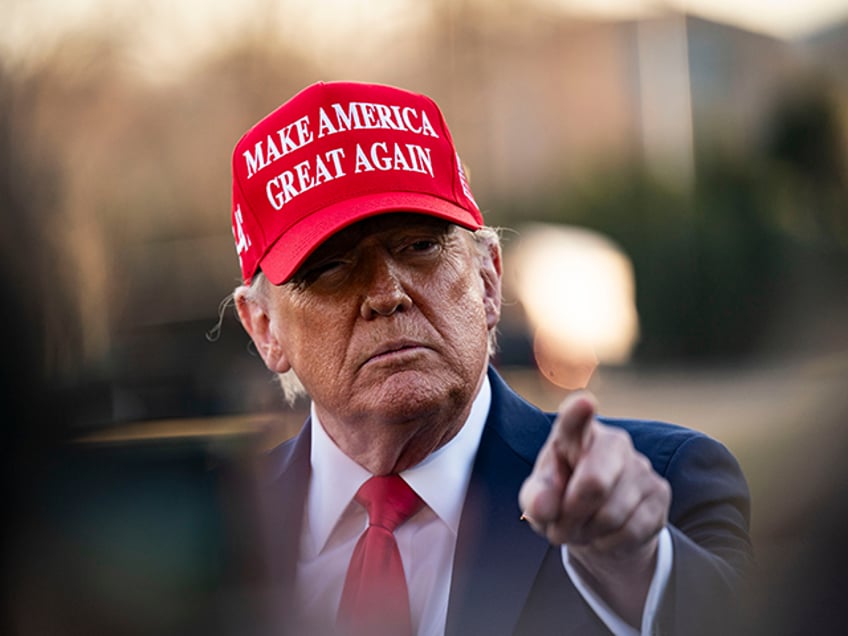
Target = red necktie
(375,598)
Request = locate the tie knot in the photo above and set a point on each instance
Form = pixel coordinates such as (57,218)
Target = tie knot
(389,501)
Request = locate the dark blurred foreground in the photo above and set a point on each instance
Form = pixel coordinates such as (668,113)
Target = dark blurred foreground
(158,537)
(122,540)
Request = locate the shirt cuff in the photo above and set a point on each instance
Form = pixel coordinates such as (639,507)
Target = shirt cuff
(662,572)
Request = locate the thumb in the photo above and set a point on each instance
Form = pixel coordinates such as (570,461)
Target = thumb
(572,432)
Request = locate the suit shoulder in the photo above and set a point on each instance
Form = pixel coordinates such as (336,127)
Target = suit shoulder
(663,442)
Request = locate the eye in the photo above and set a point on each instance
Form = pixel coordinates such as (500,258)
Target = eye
(324,270)
(420,248)
(423,245)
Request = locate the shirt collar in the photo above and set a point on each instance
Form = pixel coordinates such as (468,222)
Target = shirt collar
(441,479)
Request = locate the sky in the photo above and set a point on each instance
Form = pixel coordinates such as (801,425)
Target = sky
(782,18)
(172,30)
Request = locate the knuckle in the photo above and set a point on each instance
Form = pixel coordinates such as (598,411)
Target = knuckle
(642,528)
(643,463)
(653,516)
(606,521)
(615,439)
(620,437)
(558,534)
(662,491)
(629,538)
(593,488)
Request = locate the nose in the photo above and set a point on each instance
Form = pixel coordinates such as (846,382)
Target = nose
(384,291)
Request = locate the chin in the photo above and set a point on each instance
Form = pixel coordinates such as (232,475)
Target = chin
(410,394)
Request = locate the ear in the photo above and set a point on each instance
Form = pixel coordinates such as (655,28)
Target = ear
(491,272)
(257,320)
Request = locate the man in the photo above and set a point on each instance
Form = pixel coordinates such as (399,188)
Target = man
(371,281)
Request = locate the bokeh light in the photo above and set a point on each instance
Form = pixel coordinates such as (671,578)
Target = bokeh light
(578,290)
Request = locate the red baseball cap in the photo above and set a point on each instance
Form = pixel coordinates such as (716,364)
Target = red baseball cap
(334,154)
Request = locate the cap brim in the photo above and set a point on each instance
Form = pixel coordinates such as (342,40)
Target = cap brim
(289,251)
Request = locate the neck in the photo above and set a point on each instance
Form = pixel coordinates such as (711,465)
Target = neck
(384,446)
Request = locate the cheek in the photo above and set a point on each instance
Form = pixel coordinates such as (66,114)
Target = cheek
(313,336)
(462,314)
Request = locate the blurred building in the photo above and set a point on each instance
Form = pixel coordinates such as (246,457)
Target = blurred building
(553,99)
(826,50)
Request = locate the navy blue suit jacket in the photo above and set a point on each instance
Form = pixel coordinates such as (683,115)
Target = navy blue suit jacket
(509,580)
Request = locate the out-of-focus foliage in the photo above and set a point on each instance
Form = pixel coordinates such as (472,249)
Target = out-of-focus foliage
(716,265)
(805,150)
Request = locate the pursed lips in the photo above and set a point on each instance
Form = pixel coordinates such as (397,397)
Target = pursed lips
(389,348)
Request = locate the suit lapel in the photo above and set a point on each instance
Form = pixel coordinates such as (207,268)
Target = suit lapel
(281,479)
(507,579)
(498,556)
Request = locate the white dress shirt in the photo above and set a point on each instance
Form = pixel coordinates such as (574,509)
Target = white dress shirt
(333,522)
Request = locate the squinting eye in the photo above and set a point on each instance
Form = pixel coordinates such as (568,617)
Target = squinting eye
(312,274)
(423,245)
(324,268)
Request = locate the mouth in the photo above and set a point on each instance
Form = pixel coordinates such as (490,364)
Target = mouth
(395,351)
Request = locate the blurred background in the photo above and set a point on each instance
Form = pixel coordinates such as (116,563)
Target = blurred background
(673,177)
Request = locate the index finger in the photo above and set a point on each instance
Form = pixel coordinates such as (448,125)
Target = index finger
(542,496)
(572,430)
